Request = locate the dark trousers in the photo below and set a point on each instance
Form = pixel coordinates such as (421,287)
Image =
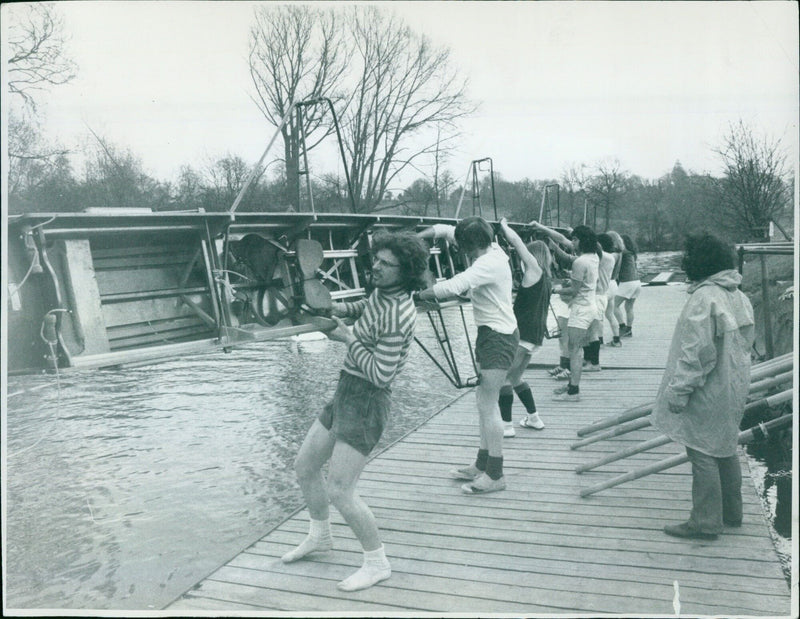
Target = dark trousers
(716,491)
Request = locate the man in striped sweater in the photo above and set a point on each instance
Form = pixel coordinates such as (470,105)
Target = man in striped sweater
(350,425)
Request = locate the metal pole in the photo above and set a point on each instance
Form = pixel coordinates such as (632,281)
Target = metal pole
(491,178)
(306,171)
(253,170)
(463,191)
(767,314)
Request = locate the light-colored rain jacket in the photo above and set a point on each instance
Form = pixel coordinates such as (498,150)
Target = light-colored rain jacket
(708,368)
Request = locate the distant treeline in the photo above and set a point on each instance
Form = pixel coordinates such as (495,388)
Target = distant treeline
(656,212)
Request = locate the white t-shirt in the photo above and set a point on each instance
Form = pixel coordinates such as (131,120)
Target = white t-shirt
(605,269)
(585,270)
(488,282)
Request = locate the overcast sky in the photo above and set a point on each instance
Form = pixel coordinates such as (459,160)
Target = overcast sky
(558,83)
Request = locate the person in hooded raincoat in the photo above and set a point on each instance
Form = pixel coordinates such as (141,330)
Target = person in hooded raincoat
(702,396)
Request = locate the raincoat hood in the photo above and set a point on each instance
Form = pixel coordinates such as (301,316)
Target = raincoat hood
(729,279)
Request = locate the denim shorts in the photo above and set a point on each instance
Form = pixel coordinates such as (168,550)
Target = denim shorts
(358,412)
(495,351)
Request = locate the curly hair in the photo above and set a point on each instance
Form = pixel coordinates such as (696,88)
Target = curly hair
(606,242)
(705,255)
(473,233)
(587,238)
(411,253)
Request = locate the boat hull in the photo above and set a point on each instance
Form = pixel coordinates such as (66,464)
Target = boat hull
(115,287)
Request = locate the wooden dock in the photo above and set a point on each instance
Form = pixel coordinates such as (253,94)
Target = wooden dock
(537,548)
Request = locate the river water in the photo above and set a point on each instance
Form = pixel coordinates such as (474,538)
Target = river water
(126,487)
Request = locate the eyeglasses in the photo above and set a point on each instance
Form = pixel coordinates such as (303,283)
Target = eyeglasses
(382,263)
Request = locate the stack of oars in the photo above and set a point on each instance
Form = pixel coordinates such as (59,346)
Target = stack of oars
(764,376)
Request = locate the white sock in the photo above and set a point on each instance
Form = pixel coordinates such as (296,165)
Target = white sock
(375,569)
(318,540)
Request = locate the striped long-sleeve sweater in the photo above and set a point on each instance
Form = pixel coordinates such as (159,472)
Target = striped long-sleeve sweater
(384,332)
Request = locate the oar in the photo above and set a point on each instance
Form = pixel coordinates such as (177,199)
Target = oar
(758,372)
(619,455)
(758,406)
(645,410)
(770,368)
(768,383)
(623,428)
(757,432)
(628,415)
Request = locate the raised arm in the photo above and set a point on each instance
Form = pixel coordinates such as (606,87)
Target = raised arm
(553,234)
(562,257)
(532,265)
(438,231)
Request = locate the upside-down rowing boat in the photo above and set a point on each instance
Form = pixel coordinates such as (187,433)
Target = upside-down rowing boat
(114,286)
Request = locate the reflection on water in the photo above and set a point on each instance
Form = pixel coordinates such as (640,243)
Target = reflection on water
(126,487)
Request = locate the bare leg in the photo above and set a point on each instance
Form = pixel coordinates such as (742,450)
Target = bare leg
(577,337)
(620,316)
(314,452)
(612,318)
(518,366)
(629,311)
(491,426)
(345,469)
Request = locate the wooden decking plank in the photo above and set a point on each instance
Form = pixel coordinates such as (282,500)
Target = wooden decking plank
(491,585)
(527,490)
(542,519)
(478,568)
(573,544)
(433,502)
(538,547)
(261,598)
(396,596)
(281,541)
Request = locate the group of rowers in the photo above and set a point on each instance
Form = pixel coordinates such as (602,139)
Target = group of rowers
(509,329)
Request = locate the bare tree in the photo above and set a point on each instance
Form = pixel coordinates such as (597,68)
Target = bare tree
(115,177)
(36,62)
(296,53)
(606,186)
(36,46)
(574,183)
(754,189)
(224,179)
(404,86)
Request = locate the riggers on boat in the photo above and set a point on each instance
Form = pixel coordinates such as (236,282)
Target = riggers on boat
(117,286)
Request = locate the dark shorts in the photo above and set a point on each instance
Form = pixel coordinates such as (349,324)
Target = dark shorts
(358,412)
(495,351)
